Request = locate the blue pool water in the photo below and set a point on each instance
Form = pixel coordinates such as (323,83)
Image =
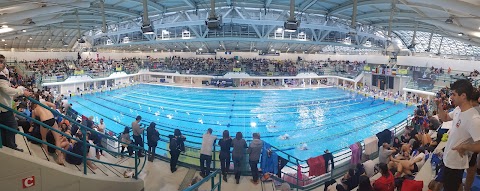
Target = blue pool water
(323,118)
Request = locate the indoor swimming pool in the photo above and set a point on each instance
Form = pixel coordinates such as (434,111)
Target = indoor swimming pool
(318,119)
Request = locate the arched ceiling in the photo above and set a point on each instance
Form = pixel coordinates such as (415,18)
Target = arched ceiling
(52,24)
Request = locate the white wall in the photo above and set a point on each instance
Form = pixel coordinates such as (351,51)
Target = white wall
(52,177)
(37,55)
(461,65)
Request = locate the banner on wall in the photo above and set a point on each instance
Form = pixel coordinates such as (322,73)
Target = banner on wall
(402,71)
(237,69)
(118,69)
(366,68)
(269,73)
(78,72)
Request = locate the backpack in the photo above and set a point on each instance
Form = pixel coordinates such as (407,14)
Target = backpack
(174,144)
(155,136)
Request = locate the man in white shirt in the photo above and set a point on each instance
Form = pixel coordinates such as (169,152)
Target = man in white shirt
(6,97)
(465,130)
(472,170)
(206,152)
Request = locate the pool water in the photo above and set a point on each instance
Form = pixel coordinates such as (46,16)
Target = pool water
(320,119)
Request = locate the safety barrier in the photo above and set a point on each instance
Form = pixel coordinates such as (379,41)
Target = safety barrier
(85,142)
(191,156)
(211,177)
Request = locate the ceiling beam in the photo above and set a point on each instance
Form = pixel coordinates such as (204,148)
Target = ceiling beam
(349,5)
(190,3)
(110,10)
(91,17)
(307,4)
(386,14)
(150,3)
(267,3)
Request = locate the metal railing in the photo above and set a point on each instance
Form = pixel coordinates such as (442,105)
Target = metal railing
(191,160)
(85,142)
(214,186)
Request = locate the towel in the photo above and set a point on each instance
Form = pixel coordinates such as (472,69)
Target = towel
(371,145)
(355,156)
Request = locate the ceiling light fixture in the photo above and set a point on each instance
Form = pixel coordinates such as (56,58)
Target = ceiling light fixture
(460,34)
(24,30)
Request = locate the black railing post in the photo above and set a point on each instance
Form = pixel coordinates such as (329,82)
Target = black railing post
(137,159)
(298,170)
(84,141)
(214,151)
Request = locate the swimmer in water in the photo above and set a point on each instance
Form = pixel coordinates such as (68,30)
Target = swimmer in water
(304,147)
(285,136)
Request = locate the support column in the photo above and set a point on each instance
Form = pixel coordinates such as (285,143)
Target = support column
(430,42)
(191,80)
(303,82)
(310,81)
(261,82)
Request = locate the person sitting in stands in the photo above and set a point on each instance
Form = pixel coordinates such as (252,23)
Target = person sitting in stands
(77,148)
(408,167)
(384,152)
(350,180)
(397,144)
(364,184)
(386,182)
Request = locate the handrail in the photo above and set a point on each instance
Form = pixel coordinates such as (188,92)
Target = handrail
(291,159)
(211,176)
(84,141)
(55,112)
(163,140)
(136,148)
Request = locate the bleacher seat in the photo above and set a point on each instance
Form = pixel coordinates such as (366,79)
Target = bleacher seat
(369,166)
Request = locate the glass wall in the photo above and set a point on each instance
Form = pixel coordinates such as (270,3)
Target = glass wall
(448,46)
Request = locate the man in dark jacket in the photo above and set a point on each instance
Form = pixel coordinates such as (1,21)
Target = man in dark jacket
(254,151)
